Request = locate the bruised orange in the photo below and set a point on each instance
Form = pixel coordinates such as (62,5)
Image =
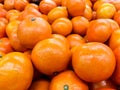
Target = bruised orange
(67,80)
(90,59)
(50,56)
(31,30)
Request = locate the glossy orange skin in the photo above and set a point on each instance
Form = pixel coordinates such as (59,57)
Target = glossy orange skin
(20,4)
(9,4)
(116,74)
(50,56)
(56,13)
(5,45)
(106,10)
(41,84)
(105,84)
(90,59)
(68,78)
(114,40)
(76,7)
(15,68)
(80,25)
(3,24)
(66,25)
(88,12)
(117,17)
(32,30)
(46,5)
(12,14)
(75,40)
(99,30)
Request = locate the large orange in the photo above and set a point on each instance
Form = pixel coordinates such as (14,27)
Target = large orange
(67,80)
(16,72)
(99,30)
(76,7)
(41,84)
(80,25)
(62,26)
(31,30)
(93,61)
(50,56)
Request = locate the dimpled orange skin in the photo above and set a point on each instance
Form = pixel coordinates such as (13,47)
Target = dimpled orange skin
(32,30)
(68,78)
(16,72)
(50,56)
(93,61)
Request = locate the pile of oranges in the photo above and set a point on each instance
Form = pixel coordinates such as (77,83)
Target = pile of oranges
(59,45)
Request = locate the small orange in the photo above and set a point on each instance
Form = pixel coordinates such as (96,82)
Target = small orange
(57,12)
(15,68)
(46,5)
(62,26)
(67,80)
(88,13)
(32,30)
(80,25)
(50,56)
(99,30)
(20,4)
(9,4)
(75,40)
(76,7)
(106,10)
(90,59)
(5,45)
(117,17)
(12,14)
(41,84)
(114,40)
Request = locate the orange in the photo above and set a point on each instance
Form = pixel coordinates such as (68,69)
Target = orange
(88,2)
(76,7)
(67,80)
(2,12)
(46,5)
(32,30)
(63,2)
(32,5)
(5,45)
(97,4)
(15,68)
(62,26)
(12,14)
(117,17)
(102,84)
(116,74)
(75,40)
(90,59)
(20,4)
(3,24)
(50,56)
(9,4)
(106,10)
(57,12)
(99,30)
(88,12)
(80,25)
(114,40)
(41,84)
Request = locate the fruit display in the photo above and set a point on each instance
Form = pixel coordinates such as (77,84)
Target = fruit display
(59,44)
